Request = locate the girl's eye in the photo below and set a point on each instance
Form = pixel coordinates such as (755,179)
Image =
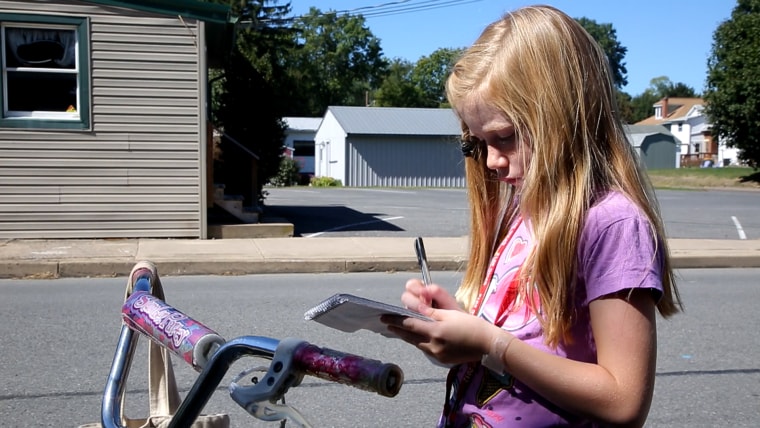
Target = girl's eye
(507,139)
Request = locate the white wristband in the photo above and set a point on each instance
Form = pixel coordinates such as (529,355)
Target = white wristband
(494,359)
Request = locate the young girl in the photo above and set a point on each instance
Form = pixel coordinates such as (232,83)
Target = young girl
(554,322)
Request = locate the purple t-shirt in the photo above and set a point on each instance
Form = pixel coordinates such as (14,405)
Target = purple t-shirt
(616,251)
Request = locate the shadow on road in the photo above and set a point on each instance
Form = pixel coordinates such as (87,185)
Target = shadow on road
(309,219)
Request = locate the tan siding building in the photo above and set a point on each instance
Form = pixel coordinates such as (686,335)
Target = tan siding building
(127,157)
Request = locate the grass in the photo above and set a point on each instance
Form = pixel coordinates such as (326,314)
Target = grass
(703,178)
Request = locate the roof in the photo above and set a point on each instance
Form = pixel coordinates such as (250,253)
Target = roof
(678,108)
(200,10)
(647,129)
(396,120)
(638,133)
(302,123)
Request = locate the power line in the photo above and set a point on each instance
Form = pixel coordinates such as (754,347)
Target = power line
(398,7)
(420,7)
(401,7)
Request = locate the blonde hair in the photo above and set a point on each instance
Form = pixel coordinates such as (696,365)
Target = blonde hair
(553,82)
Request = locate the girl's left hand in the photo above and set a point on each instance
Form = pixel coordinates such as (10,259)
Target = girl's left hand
(455,336)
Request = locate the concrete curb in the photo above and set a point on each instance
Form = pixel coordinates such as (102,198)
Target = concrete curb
(115,258)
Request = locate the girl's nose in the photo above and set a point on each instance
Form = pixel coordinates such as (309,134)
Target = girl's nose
(495,159)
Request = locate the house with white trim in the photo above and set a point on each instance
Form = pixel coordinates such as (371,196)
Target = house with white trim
(686,120)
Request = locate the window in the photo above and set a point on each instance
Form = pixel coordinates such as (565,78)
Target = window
(45,72)
(303,148)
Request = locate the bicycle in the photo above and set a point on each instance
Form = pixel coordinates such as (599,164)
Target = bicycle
(145,314)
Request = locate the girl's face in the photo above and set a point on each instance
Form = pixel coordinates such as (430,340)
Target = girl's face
(505,154)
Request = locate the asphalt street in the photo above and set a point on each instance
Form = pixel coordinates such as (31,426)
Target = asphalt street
(59,337)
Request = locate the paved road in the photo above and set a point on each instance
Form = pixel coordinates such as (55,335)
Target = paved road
(315,212)
(59,337)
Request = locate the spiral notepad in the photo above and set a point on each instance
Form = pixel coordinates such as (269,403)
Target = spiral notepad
(349,313)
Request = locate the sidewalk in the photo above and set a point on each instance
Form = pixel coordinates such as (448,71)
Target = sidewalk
(108,258)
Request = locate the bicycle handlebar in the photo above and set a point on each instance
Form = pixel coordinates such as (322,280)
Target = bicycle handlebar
(210,354)
(363,373)
(169,327)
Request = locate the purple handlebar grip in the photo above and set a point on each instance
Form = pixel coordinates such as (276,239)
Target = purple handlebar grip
(169,327)
(363,373)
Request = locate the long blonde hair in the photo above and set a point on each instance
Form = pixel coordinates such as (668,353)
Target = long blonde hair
(553,82)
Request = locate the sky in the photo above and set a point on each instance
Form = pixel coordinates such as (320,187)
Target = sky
(671,38)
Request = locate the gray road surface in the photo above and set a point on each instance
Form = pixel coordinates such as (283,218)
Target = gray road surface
(713,214)
(59,337)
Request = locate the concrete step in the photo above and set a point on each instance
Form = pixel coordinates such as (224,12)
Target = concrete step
(251,231)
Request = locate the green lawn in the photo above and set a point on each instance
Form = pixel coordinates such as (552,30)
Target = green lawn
(699,178)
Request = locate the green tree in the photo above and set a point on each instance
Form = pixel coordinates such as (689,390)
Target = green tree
(251,135)
(659,88)
(663,87)
(733,81)
(397,89)
(624,105)
(337,61)
(642,105)
(430,74)
(606,36)
(250,77)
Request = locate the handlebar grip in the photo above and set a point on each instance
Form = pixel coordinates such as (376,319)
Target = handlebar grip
(169,327)
(363,373)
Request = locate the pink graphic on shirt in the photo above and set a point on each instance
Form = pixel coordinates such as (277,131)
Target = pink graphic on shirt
(516,248)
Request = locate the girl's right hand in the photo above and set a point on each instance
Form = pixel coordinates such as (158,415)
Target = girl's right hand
(418,297)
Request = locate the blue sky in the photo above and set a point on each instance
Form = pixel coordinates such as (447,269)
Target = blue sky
(670,38)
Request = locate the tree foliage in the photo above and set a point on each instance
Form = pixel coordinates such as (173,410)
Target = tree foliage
(606,36)
(659,88)
(397,88)
(733,81)
(246,83)
(420,84)
(337,61)
(430,74)
(259,131)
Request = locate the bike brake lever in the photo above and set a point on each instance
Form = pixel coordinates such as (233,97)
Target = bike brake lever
(272,412)
(260,399)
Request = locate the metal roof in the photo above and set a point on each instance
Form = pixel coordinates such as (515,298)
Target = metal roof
(638,133)
(647,129)
(396,120)
(302,123)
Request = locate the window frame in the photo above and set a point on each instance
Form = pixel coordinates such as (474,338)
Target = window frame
(41,120)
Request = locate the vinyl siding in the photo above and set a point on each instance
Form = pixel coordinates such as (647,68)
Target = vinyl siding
(404,161)
(138,171)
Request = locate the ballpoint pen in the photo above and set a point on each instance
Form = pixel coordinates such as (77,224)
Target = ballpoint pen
(419,247)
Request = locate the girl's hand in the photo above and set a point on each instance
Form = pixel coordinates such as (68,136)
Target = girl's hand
(417,296)
(454,337)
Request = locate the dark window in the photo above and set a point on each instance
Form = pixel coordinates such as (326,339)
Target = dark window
(303,148)
(44,72)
